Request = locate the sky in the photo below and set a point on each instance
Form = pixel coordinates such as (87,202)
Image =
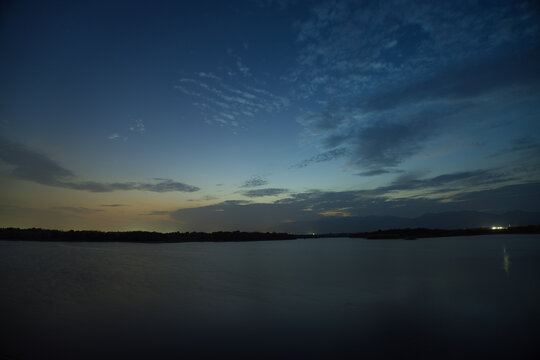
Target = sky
(247,115)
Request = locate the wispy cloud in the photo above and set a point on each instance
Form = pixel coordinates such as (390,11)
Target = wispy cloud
(112,205)
(459,180)
(374,172)
(230,103)
(254,181)
(138,126)
(322,157)
(242,68)
(33,166)
(264,192)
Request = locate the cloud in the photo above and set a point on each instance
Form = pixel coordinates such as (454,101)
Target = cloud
(342,212)
(352,46)
(398,77)
(520,196)
(322,157)
(36,167)
(524,144)
(264,192)
(374,172)
(330,118)
(157,213)
(316,205)
(30,165)
(236,215)
(167,185)
(459,180)
(242,68)
(387,142)
(462,82)
(230,103)
(138,126)
(234,202)
(254,181)
(162,186)
(112,205)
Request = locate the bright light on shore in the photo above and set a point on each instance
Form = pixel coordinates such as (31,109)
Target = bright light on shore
(498,228)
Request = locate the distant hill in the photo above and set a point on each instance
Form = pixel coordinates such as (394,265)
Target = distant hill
(444,220)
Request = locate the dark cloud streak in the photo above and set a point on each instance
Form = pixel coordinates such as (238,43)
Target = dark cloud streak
(36,167)
(462,179)
(254,181)
(322,157)
(264,192)
(30,165)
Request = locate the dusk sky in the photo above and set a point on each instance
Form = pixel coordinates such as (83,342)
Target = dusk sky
(246,115)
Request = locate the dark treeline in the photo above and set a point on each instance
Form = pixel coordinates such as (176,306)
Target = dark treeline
(36,234)
(432,233)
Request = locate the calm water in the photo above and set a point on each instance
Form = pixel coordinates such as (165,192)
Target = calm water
(315,298)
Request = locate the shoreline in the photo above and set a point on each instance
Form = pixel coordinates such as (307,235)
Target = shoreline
(47,235)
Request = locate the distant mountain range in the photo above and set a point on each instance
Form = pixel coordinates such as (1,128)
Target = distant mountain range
(444,220)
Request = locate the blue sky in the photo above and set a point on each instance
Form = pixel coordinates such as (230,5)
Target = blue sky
(247,115)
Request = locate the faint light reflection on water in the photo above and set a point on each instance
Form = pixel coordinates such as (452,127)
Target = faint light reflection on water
(506,261)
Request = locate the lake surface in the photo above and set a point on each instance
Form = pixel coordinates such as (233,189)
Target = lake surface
(311,298)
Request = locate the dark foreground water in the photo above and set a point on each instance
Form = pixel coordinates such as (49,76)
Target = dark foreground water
(469,297)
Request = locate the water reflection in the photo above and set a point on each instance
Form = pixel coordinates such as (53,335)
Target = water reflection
(309,298)
(506,261)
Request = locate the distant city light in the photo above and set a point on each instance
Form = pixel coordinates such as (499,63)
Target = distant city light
(498,228)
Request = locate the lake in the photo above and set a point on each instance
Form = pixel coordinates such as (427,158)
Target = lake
(310,298)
